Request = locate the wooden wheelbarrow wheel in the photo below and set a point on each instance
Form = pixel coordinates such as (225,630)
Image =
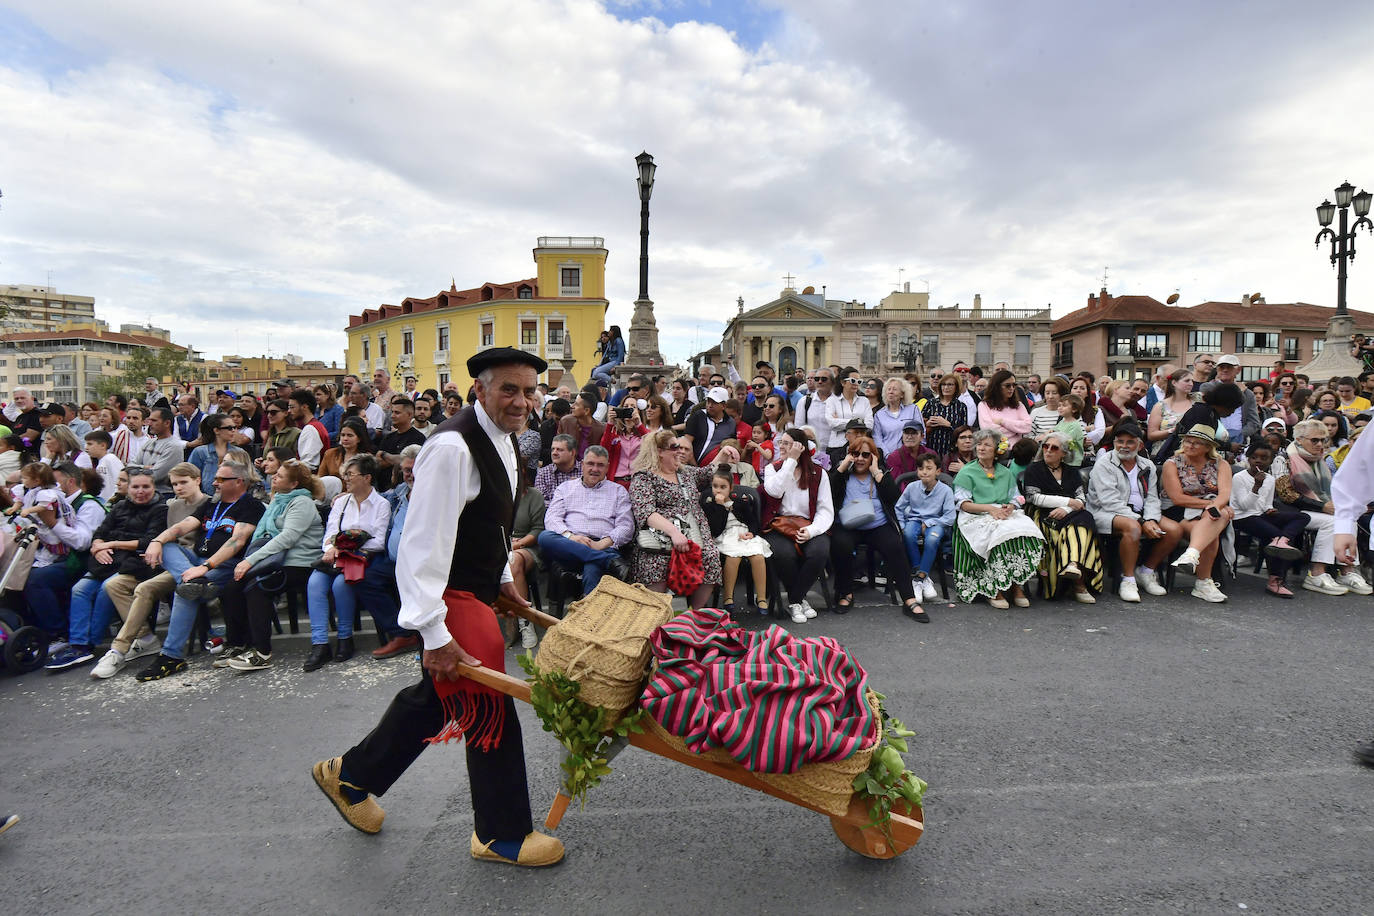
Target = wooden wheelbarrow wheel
(908,823)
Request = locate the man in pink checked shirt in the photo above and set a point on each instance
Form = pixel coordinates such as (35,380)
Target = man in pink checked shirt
(588,519)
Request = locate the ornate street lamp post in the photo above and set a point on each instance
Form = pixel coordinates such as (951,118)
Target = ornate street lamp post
(1335,358)
(642,353)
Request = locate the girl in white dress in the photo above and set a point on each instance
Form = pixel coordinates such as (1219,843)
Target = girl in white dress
(733,513)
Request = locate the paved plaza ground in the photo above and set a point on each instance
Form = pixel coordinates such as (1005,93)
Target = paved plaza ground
(1172,756)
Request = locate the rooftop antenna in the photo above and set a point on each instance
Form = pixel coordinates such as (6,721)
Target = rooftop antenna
(1104,277)
(900,271)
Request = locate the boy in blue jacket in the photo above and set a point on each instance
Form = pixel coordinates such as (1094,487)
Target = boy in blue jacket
(926,513)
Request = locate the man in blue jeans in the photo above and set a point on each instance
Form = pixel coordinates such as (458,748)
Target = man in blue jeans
(588,519)
(224,527)
(926,510)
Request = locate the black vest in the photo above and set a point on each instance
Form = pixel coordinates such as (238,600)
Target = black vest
(484,527)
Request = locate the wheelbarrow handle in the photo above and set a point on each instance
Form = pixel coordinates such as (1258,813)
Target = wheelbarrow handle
(496,680)
(507,606)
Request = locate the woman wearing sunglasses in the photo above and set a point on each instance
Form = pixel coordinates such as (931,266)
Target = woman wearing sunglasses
(1055,500)
(868,515)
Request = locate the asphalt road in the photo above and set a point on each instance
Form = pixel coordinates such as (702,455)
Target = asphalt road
(1172,756)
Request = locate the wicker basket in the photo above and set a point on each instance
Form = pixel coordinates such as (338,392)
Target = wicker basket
(603,643)
(828,786)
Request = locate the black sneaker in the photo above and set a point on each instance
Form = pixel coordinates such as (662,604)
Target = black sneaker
(191,591)
(162,666)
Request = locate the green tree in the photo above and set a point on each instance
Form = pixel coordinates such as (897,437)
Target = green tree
(164,364)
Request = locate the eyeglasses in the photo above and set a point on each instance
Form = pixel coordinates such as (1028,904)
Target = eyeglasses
(858,454)
(272,410)
(1314,438)
(1050,448)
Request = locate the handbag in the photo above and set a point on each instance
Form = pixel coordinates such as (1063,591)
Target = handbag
(858,513)
(268,575)
(651,540)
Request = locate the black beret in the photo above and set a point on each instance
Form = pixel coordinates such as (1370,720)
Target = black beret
(503,356)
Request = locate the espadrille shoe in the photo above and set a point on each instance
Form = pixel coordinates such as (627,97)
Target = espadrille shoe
(537,850)
(366,815)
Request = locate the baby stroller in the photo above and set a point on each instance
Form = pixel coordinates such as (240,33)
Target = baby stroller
(22,648)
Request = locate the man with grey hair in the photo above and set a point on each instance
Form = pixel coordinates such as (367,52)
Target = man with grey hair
(587,520)
(360,397)
(22,414)
(697,393)
(153,396)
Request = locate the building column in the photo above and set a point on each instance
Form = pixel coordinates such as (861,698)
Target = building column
(804,358)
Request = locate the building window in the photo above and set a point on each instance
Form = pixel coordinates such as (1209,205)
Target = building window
(1318,343)
(1022,353)
(443,380)
(570,281)
(525,293)
(1291,353)
(529,333)
(1204,341)
(1063,353)
(1257,342)
(1152,345)
(488,334)
(1254,373)
(982,350)
(555,334)
(407,342)
(31,379)
(1121,344)
(930,350)
(868,352)
(1123,373)
(367,349)
(442,338)
(381,346)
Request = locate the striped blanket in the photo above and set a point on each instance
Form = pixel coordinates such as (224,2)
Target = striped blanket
(771,700)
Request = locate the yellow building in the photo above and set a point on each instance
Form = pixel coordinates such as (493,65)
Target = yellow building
(557,314)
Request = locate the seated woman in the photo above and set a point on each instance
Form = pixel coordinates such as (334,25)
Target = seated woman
(962,452)
(798,511)
(665,494)
(1279,530)
(60,444)
(733,515)
(868,515)
(613,355)
(360,508)
(1197,498)
(944,414)
(1164,416)
(1307,487)
(290,530)
(1056,499)
(996,546)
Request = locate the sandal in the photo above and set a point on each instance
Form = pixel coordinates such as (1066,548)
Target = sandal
(916,612)
(843,603)
(761,607)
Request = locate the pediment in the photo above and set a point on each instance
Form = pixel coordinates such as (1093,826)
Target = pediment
(787,308)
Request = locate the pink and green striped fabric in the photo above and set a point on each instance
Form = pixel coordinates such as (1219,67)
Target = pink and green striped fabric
(771,700)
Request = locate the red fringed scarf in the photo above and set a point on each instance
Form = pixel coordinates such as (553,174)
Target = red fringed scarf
(472,709)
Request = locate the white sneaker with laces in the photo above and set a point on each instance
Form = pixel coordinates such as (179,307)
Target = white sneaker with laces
(144,645)
(528,637)
(1324,584)
(1207,590)
(1188,561)
(1150,582)
(109,665)
(1129,592)
(798,613)
(928,592)
(808,610)
(1355,582)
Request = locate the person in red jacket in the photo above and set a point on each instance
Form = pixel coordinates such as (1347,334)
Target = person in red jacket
(621,440)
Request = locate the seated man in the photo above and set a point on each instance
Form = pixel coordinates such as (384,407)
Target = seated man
(587,520)
(562,467)
(1123,496)
(224,528)
(908,458)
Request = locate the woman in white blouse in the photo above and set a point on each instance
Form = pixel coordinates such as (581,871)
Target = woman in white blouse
(798,510)
(358,508)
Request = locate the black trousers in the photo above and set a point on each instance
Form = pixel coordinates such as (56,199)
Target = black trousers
(1265,528)
(496,778)
(798,572)
(888,544)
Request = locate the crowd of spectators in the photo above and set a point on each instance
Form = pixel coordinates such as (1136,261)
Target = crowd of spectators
(160,511)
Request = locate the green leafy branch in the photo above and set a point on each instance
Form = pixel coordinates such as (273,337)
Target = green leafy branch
(585,731)
(887,781)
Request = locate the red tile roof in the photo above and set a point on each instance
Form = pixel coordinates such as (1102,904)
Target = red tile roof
(449,298)
(1108,309)
(136,340)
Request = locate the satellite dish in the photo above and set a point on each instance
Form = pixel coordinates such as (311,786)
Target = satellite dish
(1256,296)
(808,291)
(1172,299)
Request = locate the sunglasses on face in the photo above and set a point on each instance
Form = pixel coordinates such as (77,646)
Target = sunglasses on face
(851,381)
(758,387)
(857,454)
(1051,448)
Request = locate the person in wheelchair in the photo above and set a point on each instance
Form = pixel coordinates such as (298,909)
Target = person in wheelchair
(926,513)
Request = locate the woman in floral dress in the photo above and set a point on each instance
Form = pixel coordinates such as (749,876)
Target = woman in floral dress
(666,496)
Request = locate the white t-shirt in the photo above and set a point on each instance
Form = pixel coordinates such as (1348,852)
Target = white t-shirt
(1137,498)
(108,468)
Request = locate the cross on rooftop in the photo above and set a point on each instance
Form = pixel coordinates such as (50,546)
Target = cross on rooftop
(788,280)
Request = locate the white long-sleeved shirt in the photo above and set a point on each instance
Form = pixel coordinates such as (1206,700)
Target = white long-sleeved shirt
(816,417)
(1352,487)
(446,480)
(373,516)
(794,499)
(1245,501)
(839,412)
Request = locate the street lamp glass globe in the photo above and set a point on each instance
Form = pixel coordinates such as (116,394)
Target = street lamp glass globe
(646,174)
(1326,212)
(1343,194)
(1362,201)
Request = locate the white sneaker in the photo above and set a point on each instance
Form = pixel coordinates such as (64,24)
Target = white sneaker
(164,613)
(1324,584)
(928,592)
(528,637)
(109,665)
(798,613)
(1207,590)
(808,610)
(1355,582)
(917,587)
(1150,582)
(1189,561)
(144,645)
(1128,592)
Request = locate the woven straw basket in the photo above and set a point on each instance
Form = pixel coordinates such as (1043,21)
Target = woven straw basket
(828,786)
(603,643)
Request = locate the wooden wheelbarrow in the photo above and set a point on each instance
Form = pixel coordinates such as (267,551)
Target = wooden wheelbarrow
(853,827)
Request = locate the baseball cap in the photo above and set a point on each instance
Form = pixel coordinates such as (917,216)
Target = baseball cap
(913,425)
(719,395)
(1276,422)
(856,423)
(1228,360)
(51,409)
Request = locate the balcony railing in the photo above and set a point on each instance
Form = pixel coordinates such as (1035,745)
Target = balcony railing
(948,314)
(1021,359)
(571,241)
(982,358)
(440,357)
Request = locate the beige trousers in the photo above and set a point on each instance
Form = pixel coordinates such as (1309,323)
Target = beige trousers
(135,601)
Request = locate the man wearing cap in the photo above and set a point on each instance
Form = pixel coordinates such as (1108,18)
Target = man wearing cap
(706,429)
(1240,424)
(453,562)
(224,402)
(1123,496)
(904,460)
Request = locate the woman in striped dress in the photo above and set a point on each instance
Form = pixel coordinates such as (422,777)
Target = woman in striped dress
(996,546)
(1055,499)
(943,414)
(1046,417)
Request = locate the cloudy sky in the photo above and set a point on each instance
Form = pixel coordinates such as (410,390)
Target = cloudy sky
(249,173)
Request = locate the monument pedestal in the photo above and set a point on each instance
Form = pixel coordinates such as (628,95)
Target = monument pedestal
(641,344)
(1335,358)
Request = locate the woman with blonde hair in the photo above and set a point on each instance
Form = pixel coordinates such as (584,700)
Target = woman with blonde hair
(892,416)
(1196,487)
(59,444)
(665,494)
